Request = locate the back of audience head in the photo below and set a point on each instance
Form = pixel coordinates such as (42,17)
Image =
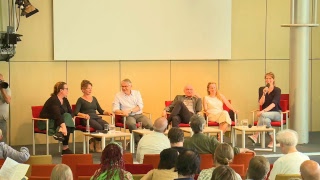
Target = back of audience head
(175,135)
(287,137)
(258,169)
(223,173)
(197,123)
(188,163)
(160,125)
(310,170)
(61,172)
(223,155)
(168,158)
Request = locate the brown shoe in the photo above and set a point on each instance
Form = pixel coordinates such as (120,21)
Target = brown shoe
(98,146)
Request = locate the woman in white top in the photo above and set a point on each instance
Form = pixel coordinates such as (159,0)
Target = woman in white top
(213,107)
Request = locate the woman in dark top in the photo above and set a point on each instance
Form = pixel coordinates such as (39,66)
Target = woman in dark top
(269,100)
(87,107)
(58,110)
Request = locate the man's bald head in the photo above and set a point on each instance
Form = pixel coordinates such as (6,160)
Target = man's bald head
(160,124)
(310,170)
(188,90)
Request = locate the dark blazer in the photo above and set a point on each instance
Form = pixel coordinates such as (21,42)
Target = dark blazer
(52,109)
(197,103)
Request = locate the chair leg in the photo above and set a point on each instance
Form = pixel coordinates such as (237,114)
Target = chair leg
(33,140)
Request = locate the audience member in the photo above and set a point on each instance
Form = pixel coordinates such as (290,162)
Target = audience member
(291,161)
(87,107)
(176,137)
(61,172)
(258,169)
(58,110)
(201,143)
(129,103)
(223,155)
(166,168)
(112,164)
(7,151)
(310,170)
(188,164)
(183,107)
(155,142)
(224,173)
(5,99)
(213,107)
(269,100)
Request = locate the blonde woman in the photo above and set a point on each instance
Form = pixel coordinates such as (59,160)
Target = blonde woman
(213,107)
(61,172)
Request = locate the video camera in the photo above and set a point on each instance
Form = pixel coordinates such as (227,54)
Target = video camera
(3,84)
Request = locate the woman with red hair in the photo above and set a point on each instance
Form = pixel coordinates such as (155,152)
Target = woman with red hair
(112,164)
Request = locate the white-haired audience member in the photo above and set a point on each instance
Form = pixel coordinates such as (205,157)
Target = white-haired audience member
(7,151)
(310,170)
(61,172)
(258,169)
(291,161)
(155,142)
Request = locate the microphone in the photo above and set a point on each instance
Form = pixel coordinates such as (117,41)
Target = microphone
(267,85)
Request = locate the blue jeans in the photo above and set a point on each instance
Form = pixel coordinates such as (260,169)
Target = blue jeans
(266,117)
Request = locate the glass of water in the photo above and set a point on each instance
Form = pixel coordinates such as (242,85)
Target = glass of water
(244,123)
(112,128)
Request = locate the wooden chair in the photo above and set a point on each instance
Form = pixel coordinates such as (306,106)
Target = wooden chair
(39,159)
(86,170)
(35,130)
(152,159)
(73,159)
(206,161)
(287,176)
(138,168)
(42,169)
(127,157)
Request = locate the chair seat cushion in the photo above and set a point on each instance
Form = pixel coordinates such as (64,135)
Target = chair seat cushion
(37,130)
(273,123)
(84,129)
(184,125)
(212,123)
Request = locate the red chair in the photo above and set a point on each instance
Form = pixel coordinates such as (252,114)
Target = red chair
(233,121)
(73,159)
(79,126)
(42,169)
(152,159)
(239,168)
(120,121)
(206,161)
(39,178)
(138,168)
(2,161)
(168,103)
(243,158)
(271,166)
(35,118)
(86,170)
(127,158)
(284,104)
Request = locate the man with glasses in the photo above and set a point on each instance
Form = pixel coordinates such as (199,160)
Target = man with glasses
(129,104)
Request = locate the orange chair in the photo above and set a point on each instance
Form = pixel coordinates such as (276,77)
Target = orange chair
(138,168)
(206,161)
(127,158)
(2,161)
(243,158)
(42,169)
(239,168)
(35,118)
(73,159)
(152,159)
(39,178)
(86,170)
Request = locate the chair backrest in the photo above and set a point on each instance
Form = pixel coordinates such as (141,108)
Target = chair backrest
(86,169)
(36,114)
(40,159)
(84,177)
(39,178)
(225,107)
(138,168)
(243,158)
(238,168)
(73,159)
(285,97)
(153,159)
(206,161)
(127,158)
(271,166)
(2,161)
(42,169)
(167,103)
(287,176)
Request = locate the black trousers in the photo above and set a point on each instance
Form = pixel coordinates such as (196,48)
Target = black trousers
(179,114)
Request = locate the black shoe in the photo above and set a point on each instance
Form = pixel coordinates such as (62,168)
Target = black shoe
(66,151)
(58,136)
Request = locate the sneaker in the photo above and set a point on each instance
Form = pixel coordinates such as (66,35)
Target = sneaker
(58,136)
(253,139)
(66,151)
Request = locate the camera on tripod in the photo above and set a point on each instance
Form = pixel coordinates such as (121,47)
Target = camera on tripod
(3,84)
